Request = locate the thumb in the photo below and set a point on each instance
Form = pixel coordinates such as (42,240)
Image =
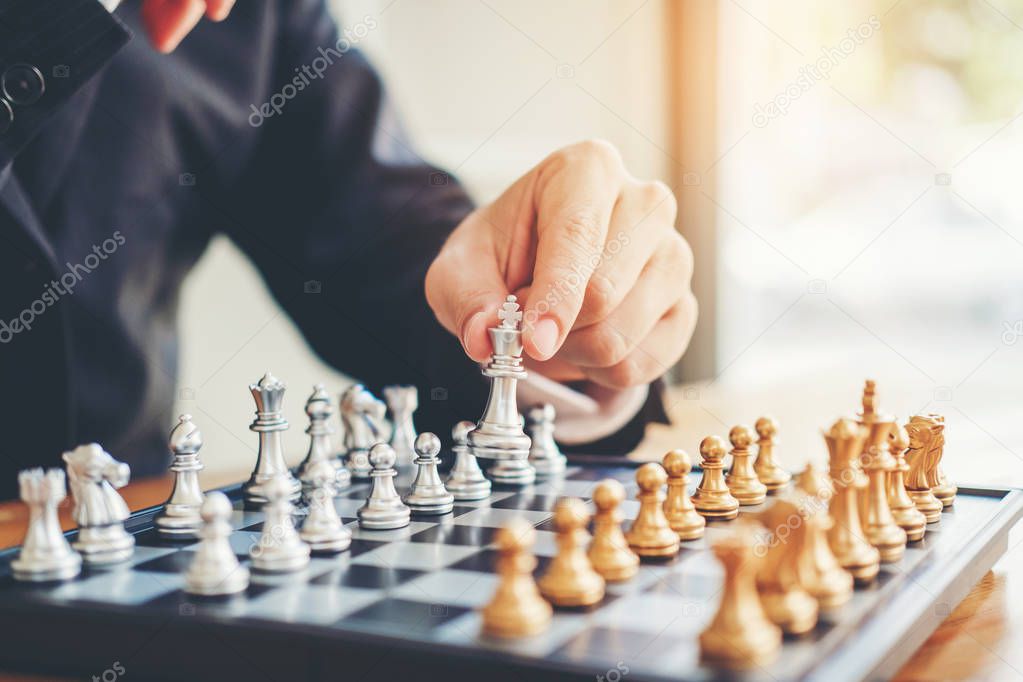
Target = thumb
(465,288)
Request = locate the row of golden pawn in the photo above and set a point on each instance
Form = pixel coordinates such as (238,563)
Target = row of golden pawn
(809,559)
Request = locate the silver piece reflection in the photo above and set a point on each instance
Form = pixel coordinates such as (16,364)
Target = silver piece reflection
(466,481)
(499,436)
(99,510)
(269,423)
(544,454)
(215,569)
(428,494)
(45,553)
(180,515)
(384,509)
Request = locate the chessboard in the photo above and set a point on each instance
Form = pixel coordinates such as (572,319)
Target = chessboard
(406,602)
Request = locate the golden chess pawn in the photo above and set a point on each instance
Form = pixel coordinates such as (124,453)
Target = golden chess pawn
(742,480)
(880,527)
(570,579)
(678,508)
(785,602)
(942,488)
(767,469)
(845,441)
(905,513)
(926,435)
(650,535)
(740,636)
(609,551)
(516,609)
(713,499)
(816,566)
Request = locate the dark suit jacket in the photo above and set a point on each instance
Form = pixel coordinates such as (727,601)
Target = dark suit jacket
(265,128)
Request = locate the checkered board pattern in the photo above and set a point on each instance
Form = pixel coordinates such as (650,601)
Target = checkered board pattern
(423,585)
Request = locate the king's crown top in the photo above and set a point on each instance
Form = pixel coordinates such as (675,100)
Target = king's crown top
(509,314)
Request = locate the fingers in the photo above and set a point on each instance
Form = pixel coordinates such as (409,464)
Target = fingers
(465,287)
(168,21)
(642,218)
(576,192)
(656,354)
(660,287)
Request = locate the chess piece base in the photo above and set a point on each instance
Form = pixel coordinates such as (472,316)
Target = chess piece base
(525,621)
(795,612)
(863,574)
(946,494)
(927,503)
(549,466)
(740,651)
(178,527)
(272,560)
(912,521)
(234,582)
(715,504)
(748,491)
(774,479)
(619,572)
(329,544)
(468,490)
(725,514)
(104,545)
(65,568)
(253,490)
(834,589)
(688,525)
(358,464)
(661,545)
(517,472)
(588,593)
(384,519)
(429,505)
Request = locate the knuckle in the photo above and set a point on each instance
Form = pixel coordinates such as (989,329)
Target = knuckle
(601,150)
(625,373)
(601,296)
(658,197)
(580,227)
(608,346)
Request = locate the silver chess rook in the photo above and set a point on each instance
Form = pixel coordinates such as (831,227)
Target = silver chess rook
(180,516)
(363,415)
(45,554)
(99,510)
(269,423)
(319,410)
(498,435)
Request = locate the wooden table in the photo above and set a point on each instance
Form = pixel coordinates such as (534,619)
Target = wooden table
(979,639)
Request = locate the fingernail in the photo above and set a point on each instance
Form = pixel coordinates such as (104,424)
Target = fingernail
(545,337)
(467,330)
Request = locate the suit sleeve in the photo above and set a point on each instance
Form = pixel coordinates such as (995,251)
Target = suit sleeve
(50,48)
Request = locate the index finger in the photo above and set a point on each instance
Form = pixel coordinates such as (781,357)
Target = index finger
(575,195)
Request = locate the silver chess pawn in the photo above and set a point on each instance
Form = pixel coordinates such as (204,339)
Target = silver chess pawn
(544,454)
(428,496)
(498,435)
(45,553)
(269,423)
(279,549)
(319,410)
(323,530)
(365,425)
(180,517)
(215,569)
(402,401)
(384,509)
(466,481)
(99,511)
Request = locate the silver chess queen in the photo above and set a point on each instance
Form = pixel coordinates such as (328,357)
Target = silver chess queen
(269,423)
(499,436)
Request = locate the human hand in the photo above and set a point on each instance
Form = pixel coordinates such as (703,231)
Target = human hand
(168,21)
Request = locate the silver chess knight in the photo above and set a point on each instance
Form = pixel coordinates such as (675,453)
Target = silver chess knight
(365,426)
(466,481)
(323,529)
(99,511)
(269,423)
(544,454)
(402,401)
(384,509)
(279,548)
(428,494)
(180,516)
(319,410)
(499,435)
(45,554)
(215,569)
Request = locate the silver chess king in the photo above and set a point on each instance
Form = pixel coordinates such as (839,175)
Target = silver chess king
(499,436)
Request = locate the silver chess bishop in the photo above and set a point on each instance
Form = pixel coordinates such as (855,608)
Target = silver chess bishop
(383,509)
(215,569)
(499,436)
(466,481)
(544,454)
(180,517)
(45,554)
(319,410)
(269,423)
(402,401)
(363,415)
(428,495)
(99,511)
